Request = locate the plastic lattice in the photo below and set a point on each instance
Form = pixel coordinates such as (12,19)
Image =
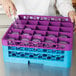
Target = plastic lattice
(40,31)
(47,39)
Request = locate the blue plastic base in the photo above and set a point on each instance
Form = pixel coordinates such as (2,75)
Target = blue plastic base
(55,58)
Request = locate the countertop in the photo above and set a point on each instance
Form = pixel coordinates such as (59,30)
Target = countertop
(12,69)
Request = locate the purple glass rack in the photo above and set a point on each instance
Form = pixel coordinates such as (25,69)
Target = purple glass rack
(51,32)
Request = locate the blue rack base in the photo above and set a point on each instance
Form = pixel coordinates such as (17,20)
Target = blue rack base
(56,58)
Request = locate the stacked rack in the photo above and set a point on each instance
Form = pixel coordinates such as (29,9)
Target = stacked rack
(39,39)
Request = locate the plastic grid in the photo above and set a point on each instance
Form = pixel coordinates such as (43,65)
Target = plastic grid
(56,58)
(36,53)
(39,38)
(40,31)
